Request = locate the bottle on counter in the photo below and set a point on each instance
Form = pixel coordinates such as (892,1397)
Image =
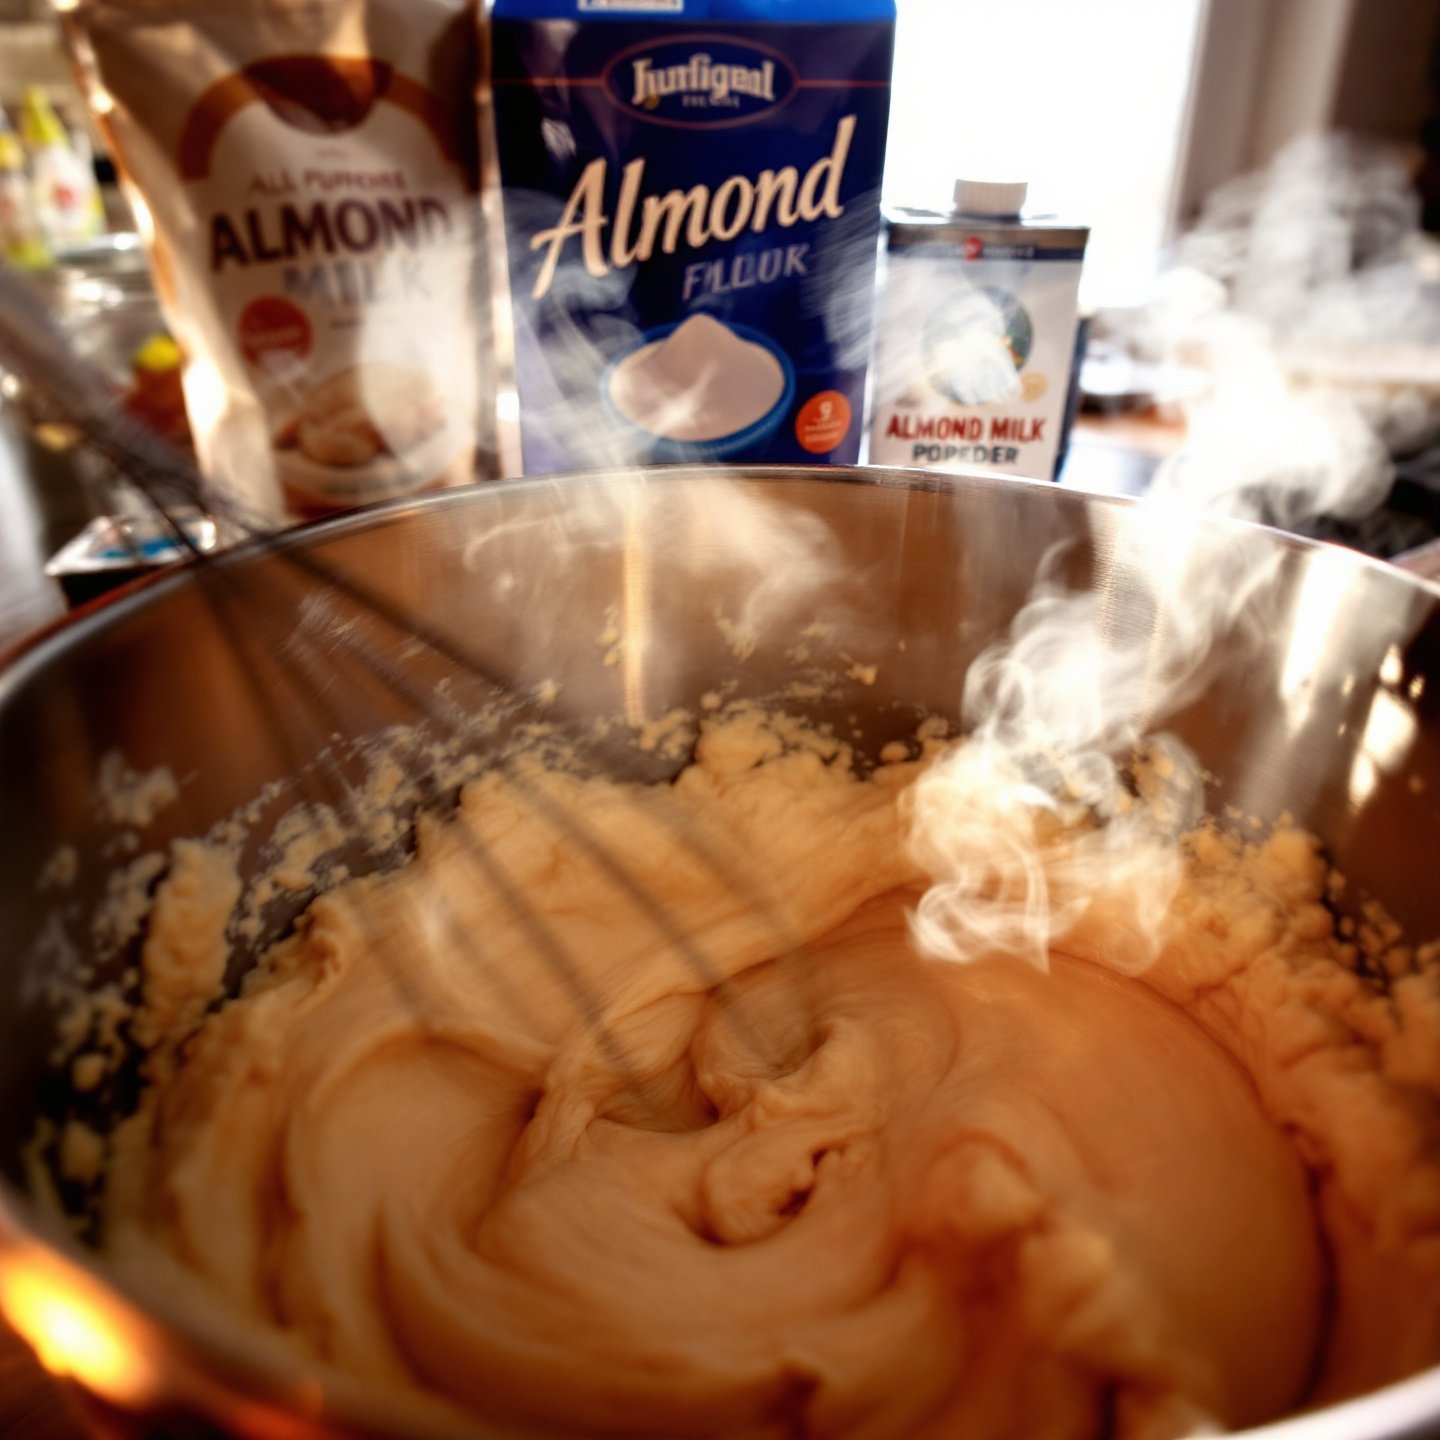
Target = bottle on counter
(156,394)
(21,242)
(976,338)
(65,196)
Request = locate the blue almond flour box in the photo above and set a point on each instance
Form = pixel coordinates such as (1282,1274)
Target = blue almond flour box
(691,193)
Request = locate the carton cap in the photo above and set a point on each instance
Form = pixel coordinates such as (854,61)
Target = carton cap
(990,197)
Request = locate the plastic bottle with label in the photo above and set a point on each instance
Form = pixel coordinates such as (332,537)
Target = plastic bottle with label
(62,183)
(976,335)
(21,243)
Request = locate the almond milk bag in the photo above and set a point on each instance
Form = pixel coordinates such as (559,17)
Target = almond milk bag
(305,174)
(691,196)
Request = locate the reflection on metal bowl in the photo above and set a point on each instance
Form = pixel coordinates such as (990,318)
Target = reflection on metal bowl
(1331,711)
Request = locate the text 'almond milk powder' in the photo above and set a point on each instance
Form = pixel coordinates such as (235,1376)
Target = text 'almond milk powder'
(307,180)
(691,196)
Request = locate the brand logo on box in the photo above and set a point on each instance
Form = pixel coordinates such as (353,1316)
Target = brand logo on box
(973,248)
(700,81)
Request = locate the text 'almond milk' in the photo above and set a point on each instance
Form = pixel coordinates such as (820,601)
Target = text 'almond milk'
(307,177)
(691,195)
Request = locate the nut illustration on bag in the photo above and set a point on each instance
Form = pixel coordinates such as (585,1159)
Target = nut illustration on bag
(310,167)
(365,412)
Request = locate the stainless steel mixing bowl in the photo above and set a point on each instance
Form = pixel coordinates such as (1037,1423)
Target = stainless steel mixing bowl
(1322,697)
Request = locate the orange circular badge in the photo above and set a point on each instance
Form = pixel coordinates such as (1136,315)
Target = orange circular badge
(822,422)
(273,325)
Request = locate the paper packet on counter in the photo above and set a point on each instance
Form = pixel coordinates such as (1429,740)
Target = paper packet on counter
(305,174)
(113,550)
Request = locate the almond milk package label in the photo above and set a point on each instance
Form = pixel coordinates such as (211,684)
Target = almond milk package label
(977,334)
(306,172)
(691,207)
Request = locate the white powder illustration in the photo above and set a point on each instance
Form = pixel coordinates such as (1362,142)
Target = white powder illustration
(974,367)
(702,382)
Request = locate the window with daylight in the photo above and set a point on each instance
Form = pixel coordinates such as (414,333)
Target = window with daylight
(1086,101)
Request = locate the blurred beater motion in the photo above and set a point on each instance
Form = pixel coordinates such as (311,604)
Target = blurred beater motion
(332,645)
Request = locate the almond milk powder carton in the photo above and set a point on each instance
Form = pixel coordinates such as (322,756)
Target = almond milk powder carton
(976,335)
(306,177)
(691,197)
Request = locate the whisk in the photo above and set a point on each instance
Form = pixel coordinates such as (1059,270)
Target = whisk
(341,629)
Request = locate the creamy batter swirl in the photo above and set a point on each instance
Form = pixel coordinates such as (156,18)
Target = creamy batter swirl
(746,1164)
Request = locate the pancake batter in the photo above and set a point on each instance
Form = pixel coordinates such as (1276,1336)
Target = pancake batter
(720,1153)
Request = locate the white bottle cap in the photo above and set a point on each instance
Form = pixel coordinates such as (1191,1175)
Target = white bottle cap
(990,197)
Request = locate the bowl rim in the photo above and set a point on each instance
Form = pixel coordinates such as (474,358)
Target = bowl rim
(138,594)
(1407,1409)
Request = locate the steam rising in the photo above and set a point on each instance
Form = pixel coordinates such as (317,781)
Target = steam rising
(1306,297)
(1068,801)
(1064,794)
